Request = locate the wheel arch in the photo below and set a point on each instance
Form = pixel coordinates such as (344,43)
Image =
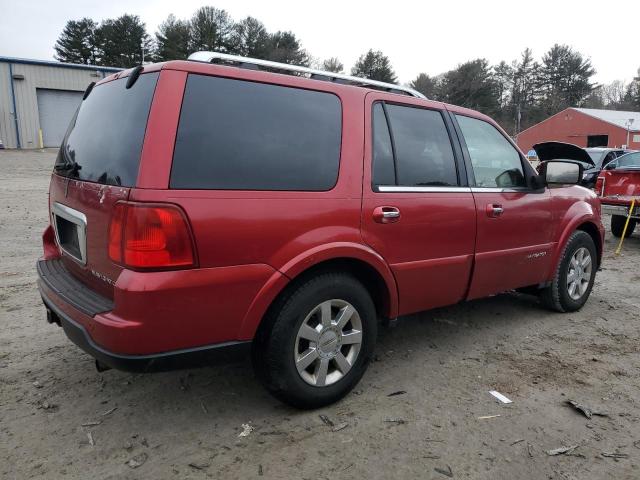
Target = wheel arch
(587,224)
(365,264)
(594,233)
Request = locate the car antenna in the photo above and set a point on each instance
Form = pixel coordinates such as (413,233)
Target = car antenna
(133,76)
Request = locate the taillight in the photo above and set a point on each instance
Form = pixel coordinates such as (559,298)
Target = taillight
(150,236)
(599,187)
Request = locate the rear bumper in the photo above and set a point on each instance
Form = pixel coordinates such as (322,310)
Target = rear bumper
(156,320)
(173,360)
(622,210)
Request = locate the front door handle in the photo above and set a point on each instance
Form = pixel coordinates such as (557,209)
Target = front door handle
(386,214)
(494,210)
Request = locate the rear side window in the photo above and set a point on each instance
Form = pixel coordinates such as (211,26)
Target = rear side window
(420,142)
(104,141)
(383,169)
(239,135)
(496,163)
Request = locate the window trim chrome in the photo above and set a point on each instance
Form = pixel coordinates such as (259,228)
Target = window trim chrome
(419,189)
(77,218)
(500,190)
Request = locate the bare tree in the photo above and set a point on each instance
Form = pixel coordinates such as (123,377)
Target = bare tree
(333,65)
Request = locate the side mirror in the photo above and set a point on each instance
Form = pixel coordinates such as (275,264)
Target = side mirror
(561,173)
(536,182)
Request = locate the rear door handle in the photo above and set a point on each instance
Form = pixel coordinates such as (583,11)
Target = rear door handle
(386,214)
(494,210)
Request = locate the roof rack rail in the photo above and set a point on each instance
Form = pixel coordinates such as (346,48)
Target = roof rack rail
(256,63)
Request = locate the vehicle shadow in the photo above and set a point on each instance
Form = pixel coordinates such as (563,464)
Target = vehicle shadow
(228,395)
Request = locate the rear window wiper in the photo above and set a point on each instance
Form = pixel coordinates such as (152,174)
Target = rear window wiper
(70,166)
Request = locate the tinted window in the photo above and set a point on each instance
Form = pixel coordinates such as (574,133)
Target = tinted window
(104,141)
(496,163)
(424,155)
(251,136)
(629,160)
(383,170)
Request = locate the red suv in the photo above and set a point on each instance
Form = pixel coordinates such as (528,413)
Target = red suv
(203,210)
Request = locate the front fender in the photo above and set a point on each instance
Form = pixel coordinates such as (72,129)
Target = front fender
(576,215)
(306,260)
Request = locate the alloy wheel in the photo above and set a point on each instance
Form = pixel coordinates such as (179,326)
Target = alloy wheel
(328,342)
(579,273)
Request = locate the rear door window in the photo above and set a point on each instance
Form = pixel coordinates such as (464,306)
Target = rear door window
(496,163)
(241,135)
(417,140)
(104,141)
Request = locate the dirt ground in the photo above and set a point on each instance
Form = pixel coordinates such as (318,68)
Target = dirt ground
(60,418)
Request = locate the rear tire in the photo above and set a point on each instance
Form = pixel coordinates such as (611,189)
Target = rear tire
(574,276)
(309,353)
(617,226)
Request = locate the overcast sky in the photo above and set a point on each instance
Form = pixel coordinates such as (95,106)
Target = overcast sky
(424,36)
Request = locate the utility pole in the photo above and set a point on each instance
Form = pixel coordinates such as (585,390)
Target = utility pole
(629,123)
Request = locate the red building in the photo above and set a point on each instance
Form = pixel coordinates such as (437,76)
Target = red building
(585,127)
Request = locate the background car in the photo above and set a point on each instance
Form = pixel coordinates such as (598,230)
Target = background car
(601,157)
(618,186)
(627,161)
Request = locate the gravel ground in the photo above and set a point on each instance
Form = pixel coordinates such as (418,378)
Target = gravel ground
(60,418)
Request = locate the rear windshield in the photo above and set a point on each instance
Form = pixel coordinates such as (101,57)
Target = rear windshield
(104,141)
(239,135)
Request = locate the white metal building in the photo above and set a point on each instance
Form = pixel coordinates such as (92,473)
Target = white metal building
(38,99)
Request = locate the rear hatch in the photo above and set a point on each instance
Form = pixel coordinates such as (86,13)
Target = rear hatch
(549,151)
(96,167)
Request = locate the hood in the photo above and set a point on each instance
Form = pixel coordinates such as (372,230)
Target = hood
(561,151)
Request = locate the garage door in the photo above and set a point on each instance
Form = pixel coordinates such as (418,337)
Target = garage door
(55,109)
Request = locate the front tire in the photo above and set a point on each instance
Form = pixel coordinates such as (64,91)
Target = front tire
(317,341)
(575,274)
(617,226)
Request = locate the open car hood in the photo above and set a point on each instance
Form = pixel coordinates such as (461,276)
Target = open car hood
(561,151)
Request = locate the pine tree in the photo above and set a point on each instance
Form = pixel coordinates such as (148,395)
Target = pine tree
(426,85)
(472,85)
(374,65)
(172,39)
(565,78)
(284,47)
(250,39)
(77,42)
(124,42)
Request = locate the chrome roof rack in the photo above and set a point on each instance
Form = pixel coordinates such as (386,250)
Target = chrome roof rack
(256,63)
